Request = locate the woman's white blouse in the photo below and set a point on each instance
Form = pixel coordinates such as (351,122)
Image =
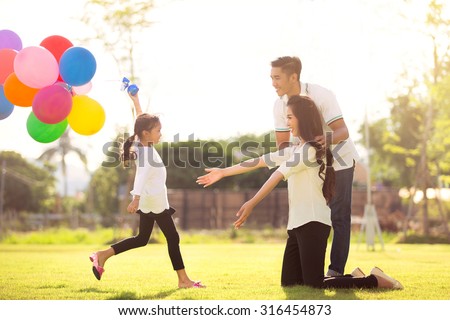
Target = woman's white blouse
(299,167)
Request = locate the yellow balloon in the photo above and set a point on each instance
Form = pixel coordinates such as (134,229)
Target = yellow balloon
(87,116)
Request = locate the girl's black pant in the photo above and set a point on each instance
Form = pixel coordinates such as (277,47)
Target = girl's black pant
(146,223)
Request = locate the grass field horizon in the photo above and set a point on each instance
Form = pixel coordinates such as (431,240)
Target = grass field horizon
(230,270)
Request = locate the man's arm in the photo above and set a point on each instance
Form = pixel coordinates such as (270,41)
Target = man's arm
(282,138)
(340,133)
(282,132)
(332,114)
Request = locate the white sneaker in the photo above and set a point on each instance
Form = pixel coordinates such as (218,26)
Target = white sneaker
(332,273)
(378,272)
(357,273)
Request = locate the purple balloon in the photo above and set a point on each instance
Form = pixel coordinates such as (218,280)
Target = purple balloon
(52,104)
(10,40)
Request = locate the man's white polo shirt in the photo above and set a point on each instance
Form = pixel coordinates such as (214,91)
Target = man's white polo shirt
(345,152)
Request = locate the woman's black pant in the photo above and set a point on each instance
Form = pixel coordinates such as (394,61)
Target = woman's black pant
(146,223)
(304,260)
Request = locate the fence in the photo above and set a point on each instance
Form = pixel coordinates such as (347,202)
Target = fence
(216,209)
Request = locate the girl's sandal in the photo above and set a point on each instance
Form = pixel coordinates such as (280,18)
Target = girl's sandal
(195,285)
(96,269)
(198,285)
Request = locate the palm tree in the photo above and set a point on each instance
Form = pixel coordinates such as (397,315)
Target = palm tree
(63,148)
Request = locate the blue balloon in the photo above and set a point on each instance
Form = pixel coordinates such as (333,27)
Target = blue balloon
(6,107)
(77,66)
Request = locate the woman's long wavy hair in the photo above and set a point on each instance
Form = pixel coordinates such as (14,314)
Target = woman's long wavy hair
(143,122)
(310,126)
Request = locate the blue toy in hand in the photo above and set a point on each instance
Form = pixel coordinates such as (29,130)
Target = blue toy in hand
(131,88)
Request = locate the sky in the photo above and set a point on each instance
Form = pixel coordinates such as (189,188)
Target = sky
(204,65)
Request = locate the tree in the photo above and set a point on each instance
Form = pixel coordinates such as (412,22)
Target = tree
(414,140)
(104,187)
(62,149)
(437,116)
(394,141)
(185,161)
(439,84)
(249,146)
(439,30)
(107,194)
(117,25)
(25,186)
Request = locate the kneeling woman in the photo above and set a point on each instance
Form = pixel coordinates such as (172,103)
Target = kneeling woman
(308,169)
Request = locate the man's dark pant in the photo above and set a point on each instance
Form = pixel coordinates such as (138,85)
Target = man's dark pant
(341,211)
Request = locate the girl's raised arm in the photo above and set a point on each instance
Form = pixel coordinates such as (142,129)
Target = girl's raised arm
(136,103)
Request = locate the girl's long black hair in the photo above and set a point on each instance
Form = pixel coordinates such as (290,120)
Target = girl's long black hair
(310,126)
(143,122)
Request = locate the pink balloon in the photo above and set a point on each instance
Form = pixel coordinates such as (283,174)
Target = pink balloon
(52,104)
(84,89)
(36,67)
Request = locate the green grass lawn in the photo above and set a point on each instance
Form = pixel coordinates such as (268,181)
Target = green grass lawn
(231,271)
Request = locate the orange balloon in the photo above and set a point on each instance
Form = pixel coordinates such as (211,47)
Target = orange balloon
(6,63)
(17,93)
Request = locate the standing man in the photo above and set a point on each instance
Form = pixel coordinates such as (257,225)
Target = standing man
(285,76)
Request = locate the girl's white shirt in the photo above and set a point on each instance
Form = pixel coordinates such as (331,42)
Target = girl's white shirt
(150,180)
(299,167)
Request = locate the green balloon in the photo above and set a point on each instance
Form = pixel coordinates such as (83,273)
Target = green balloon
(44,132)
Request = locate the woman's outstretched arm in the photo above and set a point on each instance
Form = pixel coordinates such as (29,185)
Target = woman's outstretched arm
(247,208)
(215,174)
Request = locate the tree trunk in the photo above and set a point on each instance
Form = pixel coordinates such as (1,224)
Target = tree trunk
(425,221)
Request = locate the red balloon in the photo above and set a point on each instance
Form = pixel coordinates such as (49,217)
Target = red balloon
(6,63)
(56,45)
(52,104)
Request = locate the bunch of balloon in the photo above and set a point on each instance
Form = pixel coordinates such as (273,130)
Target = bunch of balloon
(53,79)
